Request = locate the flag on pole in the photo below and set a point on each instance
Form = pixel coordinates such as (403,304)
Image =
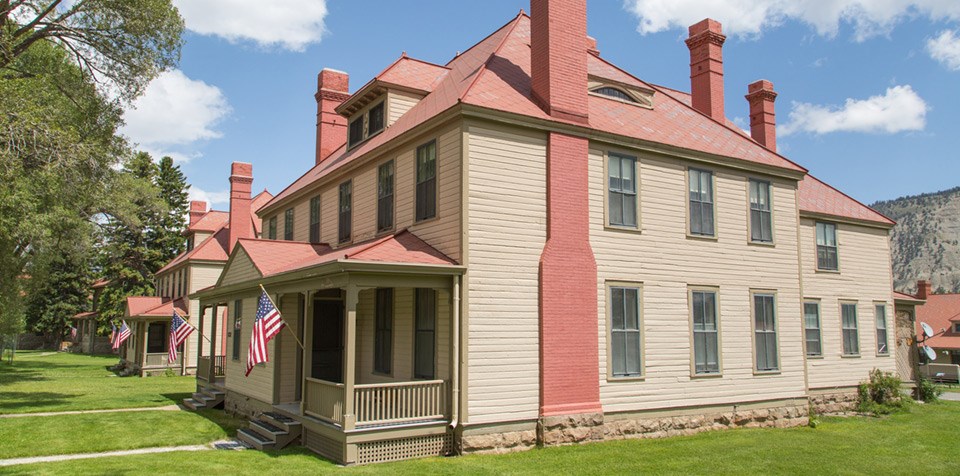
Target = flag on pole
(122,334)
(113,333)
(267,325)
(179,331)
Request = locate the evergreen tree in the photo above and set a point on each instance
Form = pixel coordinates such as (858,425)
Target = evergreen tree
(58,291)
(166,234)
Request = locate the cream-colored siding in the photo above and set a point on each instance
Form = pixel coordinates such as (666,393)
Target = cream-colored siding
(199,236)
(200,276)
(668,263)
(399,102)
(259,384)
(507,230)
(240,270)
(865,277)
(301,222)
(286,348)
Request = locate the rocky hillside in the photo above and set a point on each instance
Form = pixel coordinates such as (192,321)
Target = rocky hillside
(925,240)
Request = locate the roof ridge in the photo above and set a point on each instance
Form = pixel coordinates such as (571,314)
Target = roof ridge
(858,202)
(494,32)
(375,243)
(496,51)
(428,63)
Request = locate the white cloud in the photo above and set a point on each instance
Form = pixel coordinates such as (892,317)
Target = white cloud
(290,24)
(175,111)
(751,17)
(945,48)
(212,198)
(899,109)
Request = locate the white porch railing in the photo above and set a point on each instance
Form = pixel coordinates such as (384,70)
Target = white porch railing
(322,399)
(157,360)
(389,403)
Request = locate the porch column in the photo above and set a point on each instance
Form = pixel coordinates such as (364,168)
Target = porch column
(350,357)
(214,320)
(143,345)
(203,310)
(307,342)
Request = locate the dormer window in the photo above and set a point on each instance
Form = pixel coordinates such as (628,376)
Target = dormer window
(366,125)
(626,93)
(615,93)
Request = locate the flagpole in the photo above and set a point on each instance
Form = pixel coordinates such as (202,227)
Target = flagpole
(281,317)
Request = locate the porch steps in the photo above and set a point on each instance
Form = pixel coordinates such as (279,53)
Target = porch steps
(205,398)
(270,431)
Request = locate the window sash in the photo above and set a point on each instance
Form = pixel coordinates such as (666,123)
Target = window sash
(385,184)
(424,363)
(237,326)
(157,337)
(272,228)
(881,317)
(761,216)
(701,202)
(426,206)
(356,131)
(622,189)
(375,119)
(315,220)
(811,326)
(827,246)
(625,335)
(383,337)
(706,335)
(288,225)
(346,212)
(765,332)
(851,338)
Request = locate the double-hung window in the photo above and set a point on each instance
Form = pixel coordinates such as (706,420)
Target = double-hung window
(272,228)
(157,338)
(346,212)
(625,343)
(827,246)
(315,220)
(356,131)
(811,328)
(425,334)
(375,120)
(701,202)
(288,225)
(881,315)
(385,197)
(383,345)
(706,333)
(427,181)
(765,332)
(761,217)
(851,337)
(237,325)
(366,125)
(622,198)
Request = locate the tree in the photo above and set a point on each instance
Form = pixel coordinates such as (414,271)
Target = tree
(166,232)
(58,291)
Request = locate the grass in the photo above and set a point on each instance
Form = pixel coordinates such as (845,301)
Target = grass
(91,433)
(50,382)
(923,439)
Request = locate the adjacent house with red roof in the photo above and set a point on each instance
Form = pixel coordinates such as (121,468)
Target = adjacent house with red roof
(528,245)
(86,322)
(210,235)
(942,313)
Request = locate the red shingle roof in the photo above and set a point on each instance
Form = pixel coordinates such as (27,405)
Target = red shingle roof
(211,221)
(151,306)
(941,312)
(413,73)
(818,197)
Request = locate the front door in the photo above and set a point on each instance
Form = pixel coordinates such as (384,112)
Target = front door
(327,358)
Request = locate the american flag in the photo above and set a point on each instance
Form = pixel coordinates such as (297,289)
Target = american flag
(267,325)
(122,334)
(179,331)
(113,333)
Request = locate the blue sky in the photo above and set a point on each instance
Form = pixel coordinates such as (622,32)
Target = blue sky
(869,92)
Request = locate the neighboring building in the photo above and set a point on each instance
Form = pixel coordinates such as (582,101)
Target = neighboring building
(529,245)
(210,236)
(86,323)
(942,313)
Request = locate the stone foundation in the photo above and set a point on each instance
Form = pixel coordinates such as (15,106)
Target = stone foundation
(499,439)
(665,426)
(570,429)
(835,402)
(239,404)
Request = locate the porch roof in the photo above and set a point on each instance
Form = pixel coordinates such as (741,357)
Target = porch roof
(85,315)
(152,307)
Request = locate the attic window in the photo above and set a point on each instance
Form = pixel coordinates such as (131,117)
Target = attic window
(615,93)
(366,124)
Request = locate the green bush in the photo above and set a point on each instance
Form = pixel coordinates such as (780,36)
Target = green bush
(881,395)
(927,391)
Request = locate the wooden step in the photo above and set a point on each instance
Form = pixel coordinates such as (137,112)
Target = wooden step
(281,421)
(194,404)
(212,393)
(254,439)
(280,437)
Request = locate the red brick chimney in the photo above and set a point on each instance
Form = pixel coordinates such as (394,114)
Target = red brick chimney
(763,121)
(332,90)
(241,225)
(558,63)
(924,289)
(198,209)
(706,68)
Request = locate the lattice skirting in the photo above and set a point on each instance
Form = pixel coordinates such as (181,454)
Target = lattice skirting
(404,448)
(326,447)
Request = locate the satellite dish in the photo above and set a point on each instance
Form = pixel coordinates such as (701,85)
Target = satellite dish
(931,354)
(927,330)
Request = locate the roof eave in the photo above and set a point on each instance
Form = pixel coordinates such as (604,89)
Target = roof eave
(846,220)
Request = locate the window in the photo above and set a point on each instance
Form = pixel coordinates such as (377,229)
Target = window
(765,332)
(383,345)
(272,228)
(827,246)
(811,329)
(625,354)
(385,197)
(761,219)
(237,324)
(157,337)
(183,282)
(425,334)
(346,214)
(622,180)
(881,314)
(614,93)
(706,335)
(851,340)
(701,202)
(375,120)
(288,225)
(315,220)
(356,131)
(956,327)
(190,243)
(427,181)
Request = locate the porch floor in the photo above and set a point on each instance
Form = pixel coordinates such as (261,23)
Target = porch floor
(293,411)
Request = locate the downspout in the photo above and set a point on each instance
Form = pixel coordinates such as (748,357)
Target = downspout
(455,376)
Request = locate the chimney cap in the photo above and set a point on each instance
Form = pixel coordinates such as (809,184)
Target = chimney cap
(333,80)
(705,25)
(198,206)
(241,169)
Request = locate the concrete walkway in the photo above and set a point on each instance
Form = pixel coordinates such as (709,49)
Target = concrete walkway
(142,451)
(168,408)
(950,396)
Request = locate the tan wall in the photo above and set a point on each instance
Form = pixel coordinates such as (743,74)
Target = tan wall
(286,348)
(240,270)
(398,103)
(200,276)
(507,218)
(865,277)
(259,384)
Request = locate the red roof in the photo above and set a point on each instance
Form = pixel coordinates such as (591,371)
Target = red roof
(495,74)
(273,257)
(211,221)
(85,315)
(905,297)
(100,283)
(818,197)
(941,312)
(155,306)
(413,73)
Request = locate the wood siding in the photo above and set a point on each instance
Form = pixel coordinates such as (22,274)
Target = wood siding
(241,269)
(865,276)
(286,347)
(259,384)
(201,276)
(398,103)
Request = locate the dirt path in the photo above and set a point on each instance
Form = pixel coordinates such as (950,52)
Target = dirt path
(168,408)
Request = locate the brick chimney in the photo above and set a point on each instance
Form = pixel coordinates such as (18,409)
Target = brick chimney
(332,90)
(241,225)
(706,68)
(924,289)
(198,209)
(763,121)
(558,63)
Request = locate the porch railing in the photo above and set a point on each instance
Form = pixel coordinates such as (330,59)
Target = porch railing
(157,360)
(324,400)
(203,368)
(400,402)
(218,363)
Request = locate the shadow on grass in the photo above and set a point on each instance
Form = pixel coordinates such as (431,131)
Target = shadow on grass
(16,400)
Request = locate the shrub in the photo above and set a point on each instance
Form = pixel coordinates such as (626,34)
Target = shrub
(881,395)
(927,391)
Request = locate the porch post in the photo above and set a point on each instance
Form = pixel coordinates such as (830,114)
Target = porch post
(350,357)
(143,345)
(455,353)
(307,343)
(214,320)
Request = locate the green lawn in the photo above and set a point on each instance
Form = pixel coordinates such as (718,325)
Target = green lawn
(90,433)
(45,382)
(924,441)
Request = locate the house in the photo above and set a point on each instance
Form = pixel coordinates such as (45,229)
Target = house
(529,245)
(942,313)
(210,236)
(86,323)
